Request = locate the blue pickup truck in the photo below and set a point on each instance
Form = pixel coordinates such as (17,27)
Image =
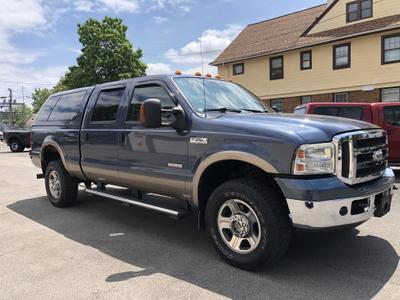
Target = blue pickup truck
(205,147)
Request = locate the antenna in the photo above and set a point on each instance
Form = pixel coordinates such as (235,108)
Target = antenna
(202,72)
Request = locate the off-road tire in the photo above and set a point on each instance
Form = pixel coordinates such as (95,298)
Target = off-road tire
(68,185)
(271,210)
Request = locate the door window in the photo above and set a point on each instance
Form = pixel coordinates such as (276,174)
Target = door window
(392,115)
(150,91)
(107,105)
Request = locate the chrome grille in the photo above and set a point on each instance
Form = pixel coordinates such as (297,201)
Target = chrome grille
(361,156)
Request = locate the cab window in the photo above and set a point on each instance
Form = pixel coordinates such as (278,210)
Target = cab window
(68,107)
(47,108)
(150,91)
(344,112)
(107,104)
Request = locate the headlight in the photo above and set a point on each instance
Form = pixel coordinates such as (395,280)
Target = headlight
(314,159)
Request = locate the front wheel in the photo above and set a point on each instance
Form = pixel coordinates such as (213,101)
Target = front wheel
(61,187)
(248,223)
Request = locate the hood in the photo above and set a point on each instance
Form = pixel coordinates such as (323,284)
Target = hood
(311,128)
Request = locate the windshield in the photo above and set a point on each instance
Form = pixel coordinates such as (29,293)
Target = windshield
(220,96)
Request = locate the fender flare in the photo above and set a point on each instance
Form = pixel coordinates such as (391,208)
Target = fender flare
(228,155)
(50,142)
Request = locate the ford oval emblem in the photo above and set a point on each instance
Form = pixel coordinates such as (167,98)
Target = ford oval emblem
(377,156)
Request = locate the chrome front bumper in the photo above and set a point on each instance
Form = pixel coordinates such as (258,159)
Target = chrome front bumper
(336,212)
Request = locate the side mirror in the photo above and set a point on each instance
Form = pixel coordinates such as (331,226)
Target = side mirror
(180,122)
(150,113)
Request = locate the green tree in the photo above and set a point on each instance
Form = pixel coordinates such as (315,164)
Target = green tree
(107,55)
(39,96)
(21,115)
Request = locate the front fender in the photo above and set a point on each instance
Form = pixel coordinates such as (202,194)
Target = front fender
(226,155)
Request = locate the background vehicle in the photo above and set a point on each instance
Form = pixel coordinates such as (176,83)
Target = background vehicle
(185,145)
(18,140)
(385,115)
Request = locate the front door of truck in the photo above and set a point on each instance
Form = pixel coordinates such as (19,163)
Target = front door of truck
(100,134)
(392,125)
(153,159)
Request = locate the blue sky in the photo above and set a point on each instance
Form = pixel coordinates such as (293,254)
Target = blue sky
(38,38)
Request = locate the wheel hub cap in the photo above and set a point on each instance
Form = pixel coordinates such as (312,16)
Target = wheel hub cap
(240,225)
(54,184)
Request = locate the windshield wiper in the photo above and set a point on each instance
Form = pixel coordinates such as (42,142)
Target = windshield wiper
(254,110)
(223,110)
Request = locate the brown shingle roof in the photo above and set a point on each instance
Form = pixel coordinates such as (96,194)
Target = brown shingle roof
(286,33)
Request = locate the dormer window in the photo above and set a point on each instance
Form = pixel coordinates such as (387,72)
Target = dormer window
(359,10)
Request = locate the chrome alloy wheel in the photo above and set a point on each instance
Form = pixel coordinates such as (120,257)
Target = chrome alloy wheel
(239,226)
(54,184)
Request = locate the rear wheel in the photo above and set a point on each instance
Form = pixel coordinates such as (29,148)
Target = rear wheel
(61,187)
(248,223)
(15,146)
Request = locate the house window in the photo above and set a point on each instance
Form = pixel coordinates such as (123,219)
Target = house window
(238,69)
(276,68)
(306,60)
(277,104)
(341,97)
(359,10)
(306,99)
(391,49)
(342,56)
(390,95)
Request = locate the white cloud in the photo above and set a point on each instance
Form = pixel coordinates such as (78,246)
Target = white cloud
(84,5)
(212,42)
(121,5)
(159,20)
(24,16)
(132,6)
(188,58)
(32,77)
(158,68)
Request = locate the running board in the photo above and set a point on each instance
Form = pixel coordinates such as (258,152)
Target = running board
(173,213)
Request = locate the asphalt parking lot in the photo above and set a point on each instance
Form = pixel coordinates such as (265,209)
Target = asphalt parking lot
(103,249)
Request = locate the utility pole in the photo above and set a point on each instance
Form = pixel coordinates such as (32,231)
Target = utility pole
(10,108)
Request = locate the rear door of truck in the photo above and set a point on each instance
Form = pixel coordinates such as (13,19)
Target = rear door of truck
(100,133)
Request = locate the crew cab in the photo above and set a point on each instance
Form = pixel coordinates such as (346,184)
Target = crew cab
(17,140)
(204,147)
(383,114)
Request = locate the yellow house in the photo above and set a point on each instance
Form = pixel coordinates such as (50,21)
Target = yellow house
(344,50)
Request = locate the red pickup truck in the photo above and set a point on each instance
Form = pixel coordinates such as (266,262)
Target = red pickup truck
(385,115)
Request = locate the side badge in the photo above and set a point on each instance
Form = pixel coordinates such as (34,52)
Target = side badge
(199,140)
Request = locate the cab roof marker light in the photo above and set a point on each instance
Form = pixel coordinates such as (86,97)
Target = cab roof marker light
(197,74)
(178,72)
